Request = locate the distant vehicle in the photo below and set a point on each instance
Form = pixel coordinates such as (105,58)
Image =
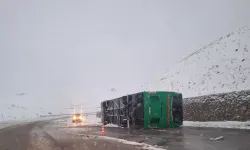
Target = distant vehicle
(77,118)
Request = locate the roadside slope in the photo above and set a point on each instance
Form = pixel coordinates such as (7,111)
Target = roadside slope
(221,66)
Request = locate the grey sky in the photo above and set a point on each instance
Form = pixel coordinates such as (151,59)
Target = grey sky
(63,52)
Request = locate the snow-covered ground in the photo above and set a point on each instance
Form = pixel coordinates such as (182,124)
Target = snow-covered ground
(92,120)
(5,124)
(111,125)
(143,145)
(221,66)
(219,124)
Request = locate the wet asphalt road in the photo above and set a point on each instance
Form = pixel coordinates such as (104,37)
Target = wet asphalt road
(54,135)
(44,136)
(189,138)
(183,138)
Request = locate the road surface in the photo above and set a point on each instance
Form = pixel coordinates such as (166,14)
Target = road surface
(34,136)
(59,135)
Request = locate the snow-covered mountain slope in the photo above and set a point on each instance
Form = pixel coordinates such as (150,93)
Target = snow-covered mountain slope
(221,66)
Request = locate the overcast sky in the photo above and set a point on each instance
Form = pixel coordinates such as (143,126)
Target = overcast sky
(62,52)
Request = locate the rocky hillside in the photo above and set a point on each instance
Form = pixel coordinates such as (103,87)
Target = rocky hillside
(232,106)
(221,66)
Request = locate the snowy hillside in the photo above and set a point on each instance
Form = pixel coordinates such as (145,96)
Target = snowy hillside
(221,66)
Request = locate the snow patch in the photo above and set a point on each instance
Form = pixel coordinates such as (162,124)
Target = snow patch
(6,124)
(92,120)
(143,145)
(217,138)
(219,124)
(111,125)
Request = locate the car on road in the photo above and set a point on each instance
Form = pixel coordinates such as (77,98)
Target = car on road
(77,118)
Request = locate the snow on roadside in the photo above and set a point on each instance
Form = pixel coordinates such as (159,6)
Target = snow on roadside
(111,125)
(143,145)
(219,124)
(38,140)
(92,120)
(6,124)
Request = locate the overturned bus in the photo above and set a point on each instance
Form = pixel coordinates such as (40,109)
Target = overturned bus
(160,109)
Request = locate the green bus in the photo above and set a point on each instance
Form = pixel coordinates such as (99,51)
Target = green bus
(159,109)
